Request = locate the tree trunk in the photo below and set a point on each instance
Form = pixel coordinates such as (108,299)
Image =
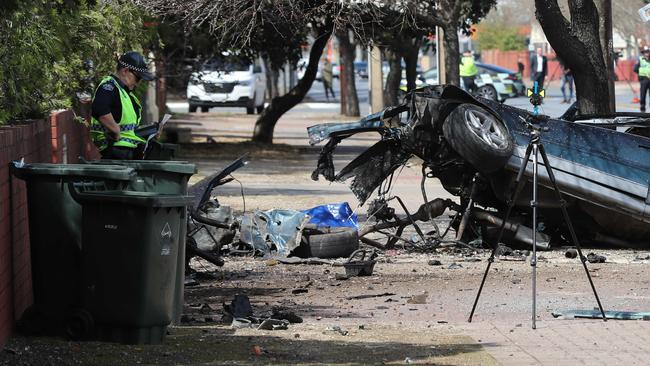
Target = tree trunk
(452,54)
(577,43)
(278,106)
(393,79)
(346,50)
(411,60)
(606,41)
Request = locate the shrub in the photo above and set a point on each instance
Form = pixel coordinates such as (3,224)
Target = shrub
(52,50)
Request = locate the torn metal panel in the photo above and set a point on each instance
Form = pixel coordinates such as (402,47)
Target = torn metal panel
(274,232)
(372,167)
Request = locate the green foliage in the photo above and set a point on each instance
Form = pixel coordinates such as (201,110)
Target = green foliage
(46,46)
(499,36)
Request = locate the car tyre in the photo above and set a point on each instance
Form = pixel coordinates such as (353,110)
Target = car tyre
(487,92)
(478,137)
(205,109)
(327,242)
(193,108)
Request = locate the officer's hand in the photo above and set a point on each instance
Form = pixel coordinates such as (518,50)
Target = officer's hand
(114,133)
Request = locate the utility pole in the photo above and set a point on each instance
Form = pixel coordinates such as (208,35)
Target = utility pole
(607,45)
(440,52)
(375,80)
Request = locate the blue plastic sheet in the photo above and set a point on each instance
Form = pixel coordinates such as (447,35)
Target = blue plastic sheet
(333,215)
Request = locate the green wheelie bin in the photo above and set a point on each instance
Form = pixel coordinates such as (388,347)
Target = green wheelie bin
(55,236)
(169,177)
(129,258)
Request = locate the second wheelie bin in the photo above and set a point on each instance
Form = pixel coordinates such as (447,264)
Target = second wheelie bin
(168,177)
(129,258)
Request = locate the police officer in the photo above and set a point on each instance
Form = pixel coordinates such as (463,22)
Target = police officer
(642,68)
(116,111)
(468,71)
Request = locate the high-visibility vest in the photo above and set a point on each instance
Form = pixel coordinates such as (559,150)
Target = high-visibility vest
(644,67)
(129,121)
(468,66)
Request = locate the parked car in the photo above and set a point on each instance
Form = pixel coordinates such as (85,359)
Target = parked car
(604,174)
(506,74)
(489,84)
(227,82)
(361,69)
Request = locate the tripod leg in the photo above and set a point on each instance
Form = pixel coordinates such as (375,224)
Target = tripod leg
(519,184)
(533,259)
(567,219)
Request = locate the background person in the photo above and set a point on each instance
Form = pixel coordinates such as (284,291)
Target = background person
(567,80)
(538,68)
(468,71)
(642,67)
(116,111)
(328,76)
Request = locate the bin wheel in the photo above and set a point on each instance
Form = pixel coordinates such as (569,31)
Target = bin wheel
(79,325)
(34,322)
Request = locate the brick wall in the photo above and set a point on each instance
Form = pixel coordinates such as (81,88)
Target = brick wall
(70,138)
(58,139)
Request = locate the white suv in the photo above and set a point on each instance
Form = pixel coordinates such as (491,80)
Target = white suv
(227,82)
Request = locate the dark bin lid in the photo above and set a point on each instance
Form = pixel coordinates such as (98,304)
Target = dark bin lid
(180,167)
(73,171)
(133,198)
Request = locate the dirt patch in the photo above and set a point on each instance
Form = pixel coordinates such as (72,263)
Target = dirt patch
(220,345)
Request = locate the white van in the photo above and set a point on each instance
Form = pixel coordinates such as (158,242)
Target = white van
(227,82)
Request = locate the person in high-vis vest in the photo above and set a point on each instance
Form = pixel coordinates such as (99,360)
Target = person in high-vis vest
(116,111)
(642,68)
(468,71)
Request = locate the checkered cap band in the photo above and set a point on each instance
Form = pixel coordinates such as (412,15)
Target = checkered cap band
(132,67)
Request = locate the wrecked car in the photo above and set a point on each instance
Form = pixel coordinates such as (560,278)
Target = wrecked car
(477,145)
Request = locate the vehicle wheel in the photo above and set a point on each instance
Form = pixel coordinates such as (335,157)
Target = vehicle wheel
(487,92)
(79,325)
(193,108)
(205,109)
(478,137)
(327,242)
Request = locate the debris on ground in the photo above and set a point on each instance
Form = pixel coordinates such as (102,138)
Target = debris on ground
(571,253)
(455,266)
(369,296)
(338,330)
(434,262)
(418,299)
(596,258)
(240,315)
(596,314)
(360,263)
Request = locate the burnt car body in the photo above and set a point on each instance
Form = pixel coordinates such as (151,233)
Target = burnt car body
(604,174)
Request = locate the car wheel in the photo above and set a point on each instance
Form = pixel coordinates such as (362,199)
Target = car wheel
(193,108)
(250,110)
(327,242)
(205,109)
(487,92)
(478,137)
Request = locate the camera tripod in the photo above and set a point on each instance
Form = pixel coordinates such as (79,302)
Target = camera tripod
(536,148)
